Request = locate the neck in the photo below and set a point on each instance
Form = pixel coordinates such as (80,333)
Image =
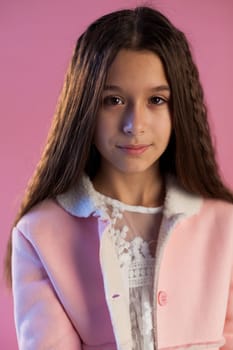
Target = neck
(145,189)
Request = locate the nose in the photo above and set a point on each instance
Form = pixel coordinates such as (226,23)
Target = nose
(134,121)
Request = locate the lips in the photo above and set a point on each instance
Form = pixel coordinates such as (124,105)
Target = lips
(134,149)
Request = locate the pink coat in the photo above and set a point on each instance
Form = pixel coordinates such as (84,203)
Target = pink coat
(68,289)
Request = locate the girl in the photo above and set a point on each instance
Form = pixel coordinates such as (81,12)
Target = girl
(124,238)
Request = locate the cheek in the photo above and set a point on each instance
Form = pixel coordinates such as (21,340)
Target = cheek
(163,129)
(106,129)
(168,128)
(99,130)
(167,124)
(102,137)
(98,134)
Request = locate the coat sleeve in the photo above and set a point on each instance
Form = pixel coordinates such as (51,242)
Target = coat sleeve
(228,328)
(41,322)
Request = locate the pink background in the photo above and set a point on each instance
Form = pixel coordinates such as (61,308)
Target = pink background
(37,38)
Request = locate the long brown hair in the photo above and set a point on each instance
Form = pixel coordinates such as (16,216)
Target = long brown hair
(69,152)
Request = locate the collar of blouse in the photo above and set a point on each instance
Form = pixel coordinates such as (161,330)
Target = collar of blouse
(82,200)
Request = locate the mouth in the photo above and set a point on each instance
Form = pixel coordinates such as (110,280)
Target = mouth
(134,149)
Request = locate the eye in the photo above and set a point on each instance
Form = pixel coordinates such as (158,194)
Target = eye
(156,100)
(112,101)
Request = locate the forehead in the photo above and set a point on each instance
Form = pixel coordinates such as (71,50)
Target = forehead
(144,67)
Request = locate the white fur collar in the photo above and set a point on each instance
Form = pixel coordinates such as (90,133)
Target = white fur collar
(179,201)
(81,200)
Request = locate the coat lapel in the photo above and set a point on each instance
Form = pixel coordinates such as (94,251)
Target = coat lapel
(82,201)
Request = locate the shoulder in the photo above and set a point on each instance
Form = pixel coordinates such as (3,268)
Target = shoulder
(178,200)
(217,213)
(45,218)
(218,207)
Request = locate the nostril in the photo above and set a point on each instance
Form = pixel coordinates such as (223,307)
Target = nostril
(127,129)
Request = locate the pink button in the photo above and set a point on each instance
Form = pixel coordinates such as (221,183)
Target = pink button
(162,298)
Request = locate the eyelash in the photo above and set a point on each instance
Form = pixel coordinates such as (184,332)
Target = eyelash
(162,100)
(108,100)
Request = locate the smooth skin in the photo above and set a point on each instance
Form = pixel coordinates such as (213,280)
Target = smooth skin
(133,129)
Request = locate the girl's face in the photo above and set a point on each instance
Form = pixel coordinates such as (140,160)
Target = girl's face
(133,122)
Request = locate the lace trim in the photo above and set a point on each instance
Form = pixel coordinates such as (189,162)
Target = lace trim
(130,251)
(141,318)
(135,258)
(141,273)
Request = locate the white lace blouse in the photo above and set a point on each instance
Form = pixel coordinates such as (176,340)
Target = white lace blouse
(134,232)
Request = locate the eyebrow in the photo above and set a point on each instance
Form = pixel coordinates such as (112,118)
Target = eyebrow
(158,88)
